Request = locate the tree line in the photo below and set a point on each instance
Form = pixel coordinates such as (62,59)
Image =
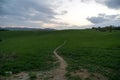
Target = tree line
(106,28)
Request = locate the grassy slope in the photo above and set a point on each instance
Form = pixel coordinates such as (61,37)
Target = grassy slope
(21,51)
(95,51)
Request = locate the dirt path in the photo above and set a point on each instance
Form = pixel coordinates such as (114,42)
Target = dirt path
(60,72)
(54,74)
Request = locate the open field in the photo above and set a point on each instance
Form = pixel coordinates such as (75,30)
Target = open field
(87,52)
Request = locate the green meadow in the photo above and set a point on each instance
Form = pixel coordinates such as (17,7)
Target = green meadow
(98,52)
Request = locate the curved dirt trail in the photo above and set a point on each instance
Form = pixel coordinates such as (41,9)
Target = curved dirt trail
(60,72)
(55,74)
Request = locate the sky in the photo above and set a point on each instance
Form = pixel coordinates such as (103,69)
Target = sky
(59,14)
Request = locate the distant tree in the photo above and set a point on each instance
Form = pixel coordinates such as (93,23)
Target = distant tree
(109,28)
(99,28)
(117,28)
(1,29)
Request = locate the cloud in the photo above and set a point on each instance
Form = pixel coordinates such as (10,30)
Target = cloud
(1,4)
(55,13)
(114,4)
(112,22)
(22,11)
(96,20)
(64,12)
(103,18)
(27,8)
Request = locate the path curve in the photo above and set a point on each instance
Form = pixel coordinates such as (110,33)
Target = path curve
(55,74)
(61,70)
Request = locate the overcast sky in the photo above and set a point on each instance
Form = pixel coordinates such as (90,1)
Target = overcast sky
(59,14)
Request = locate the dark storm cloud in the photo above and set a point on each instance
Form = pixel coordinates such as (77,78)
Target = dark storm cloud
(19,6)
(96,20)
(103,18)
(1,4)
(115,4)
(26,10)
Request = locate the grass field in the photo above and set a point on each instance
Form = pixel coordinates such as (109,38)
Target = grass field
(98,52)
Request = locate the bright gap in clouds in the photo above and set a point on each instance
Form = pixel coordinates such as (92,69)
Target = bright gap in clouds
(78,11)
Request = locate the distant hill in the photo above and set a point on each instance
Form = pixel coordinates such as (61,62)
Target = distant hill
(27,29)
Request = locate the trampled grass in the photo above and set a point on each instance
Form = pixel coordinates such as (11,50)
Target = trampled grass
(95,51)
